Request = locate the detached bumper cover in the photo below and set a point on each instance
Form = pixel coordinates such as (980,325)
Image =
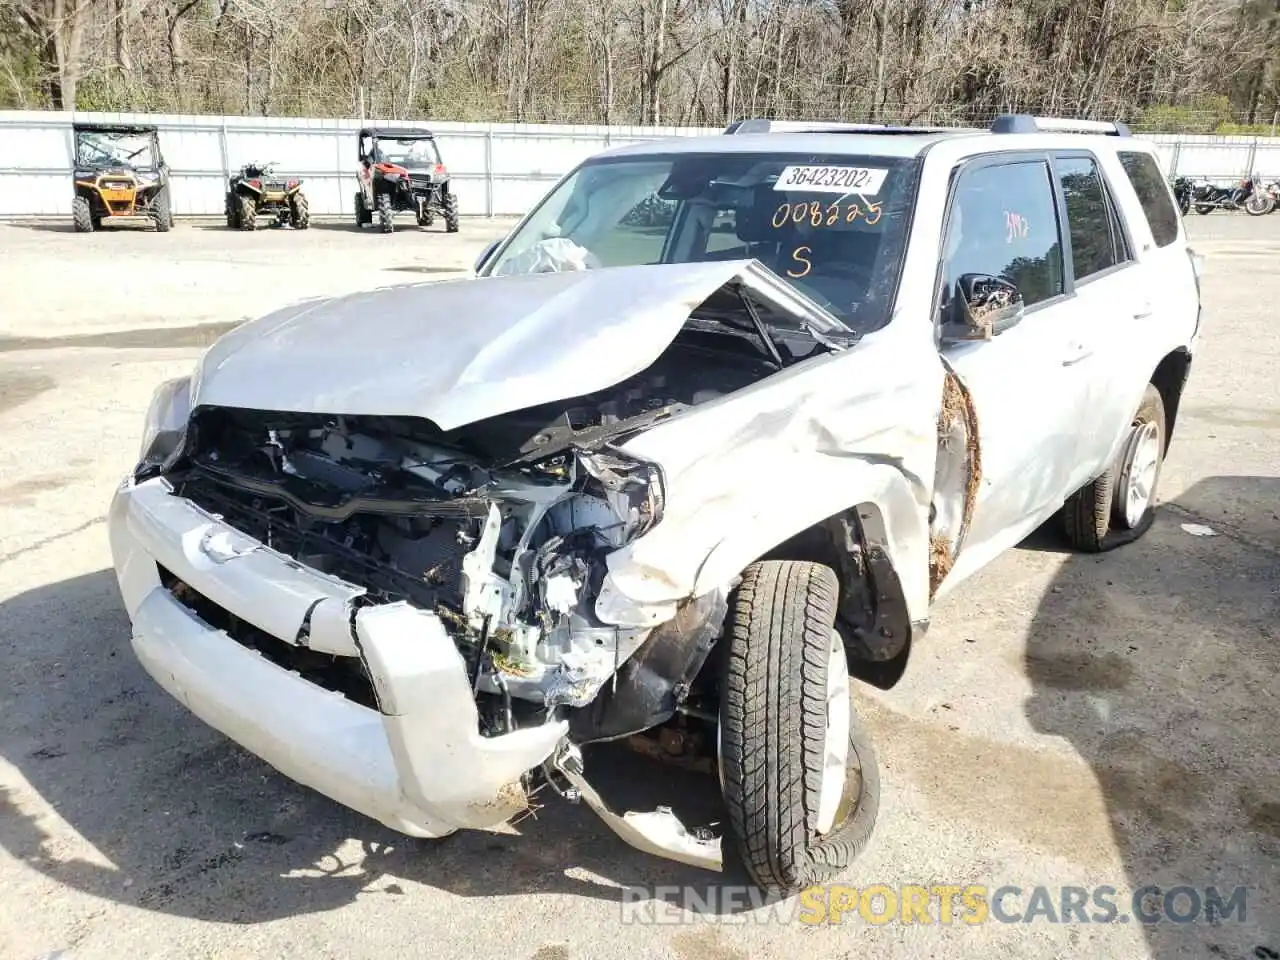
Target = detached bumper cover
(418,764)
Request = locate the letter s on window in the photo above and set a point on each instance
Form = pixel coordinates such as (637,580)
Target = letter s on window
(798,255)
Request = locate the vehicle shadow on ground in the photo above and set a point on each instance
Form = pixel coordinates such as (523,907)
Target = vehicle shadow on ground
(265,225)
(342,226)
(45,226)
(64,225)
(1182,739)
(173,817)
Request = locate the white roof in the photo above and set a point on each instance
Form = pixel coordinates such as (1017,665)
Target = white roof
(959,143)
(853,144)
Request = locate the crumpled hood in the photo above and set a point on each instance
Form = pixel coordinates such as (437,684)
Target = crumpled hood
(460,351)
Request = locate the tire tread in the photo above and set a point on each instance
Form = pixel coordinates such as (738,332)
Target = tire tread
(774,726)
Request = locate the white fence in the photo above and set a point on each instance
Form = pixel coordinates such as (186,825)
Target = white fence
(498,168)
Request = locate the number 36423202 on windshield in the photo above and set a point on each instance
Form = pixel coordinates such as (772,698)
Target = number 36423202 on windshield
(831,179)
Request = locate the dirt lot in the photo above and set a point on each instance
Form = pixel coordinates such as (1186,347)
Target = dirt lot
(1071,721)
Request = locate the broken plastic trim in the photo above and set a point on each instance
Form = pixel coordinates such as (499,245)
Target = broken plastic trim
(658,832)
(653,682)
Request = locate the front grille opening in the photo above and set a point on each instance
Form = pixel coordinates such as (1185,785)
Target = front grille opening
(340,550)
(344,675)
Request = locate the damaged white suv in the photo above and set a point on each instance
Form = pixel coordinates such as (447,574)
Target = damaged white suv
(708,434)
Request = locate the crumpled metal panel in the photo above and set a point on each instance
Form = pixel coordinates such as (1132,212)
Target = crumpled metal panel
(748,470)
(462,351)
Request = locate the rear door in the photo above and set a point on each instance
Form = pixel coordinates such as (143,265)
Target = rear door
(1114,305)
(1160,248)
(1004,220)
(1142,310)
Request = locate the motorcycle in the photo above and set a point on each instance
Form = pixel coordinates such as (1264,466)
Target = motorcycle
(1248,195)
(1272,191)
(1261,200)
(1182,189)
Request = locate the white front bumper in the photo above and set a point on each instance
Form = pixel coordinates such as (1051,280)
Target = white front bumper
(418,764)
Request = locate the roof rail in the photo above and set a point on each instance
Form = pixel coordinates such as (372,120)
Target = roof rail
(1027,123)
(756,125)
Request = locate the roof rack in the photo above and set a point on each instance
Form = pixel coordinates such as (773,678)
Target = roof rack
(1027,123)
(820,126)
(391,133)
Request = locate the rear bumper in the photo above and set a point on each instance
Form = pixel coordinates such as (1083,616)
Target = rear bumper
(417,764)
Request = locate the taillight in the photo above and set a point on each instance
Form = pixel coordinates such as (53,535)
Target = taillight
(256,184)
(440,169)
(291,184)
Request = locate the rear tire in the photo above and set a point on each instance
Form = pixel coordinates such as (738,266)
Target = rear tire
(451,213)
(1119,506)
(82,215)
(248,213)
(1204,208)
(232,211)
(785,712)
(386,216)
(300,211)
(161,211)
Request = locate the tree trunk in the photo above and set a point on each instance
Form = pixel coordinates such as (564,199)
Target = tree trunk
(66,25)
(653,106)
(120,33)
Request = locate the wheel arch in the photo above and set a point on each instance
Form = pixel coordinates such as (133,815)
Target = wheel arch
(873,614)
(1170,378)
(878,545)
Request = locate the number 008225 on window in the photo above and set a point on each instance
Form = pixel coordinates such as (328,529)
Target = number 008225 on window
(828,179)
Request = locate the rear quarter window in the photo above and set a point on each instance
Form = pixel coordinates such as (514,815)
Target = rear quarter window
(1153,193)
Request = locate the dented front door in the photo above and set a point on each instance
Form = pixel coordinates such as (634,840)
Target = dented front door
(1026,398)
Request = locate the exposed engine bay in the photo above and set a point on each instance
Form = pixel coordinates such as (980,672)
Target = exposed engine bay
(500,528)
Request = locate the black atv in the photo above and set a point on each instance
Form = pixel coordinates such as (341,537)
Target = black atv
(401,172)
(119,175)
(257,190)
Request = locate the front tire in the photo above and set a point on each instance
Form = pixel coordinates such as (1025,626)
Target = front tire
(248,215)
(1119,506)
(451,213)
(386,216)
(798,771)
(300,212)
(1204,208)
(82,215)
(161,210)
(1259,205)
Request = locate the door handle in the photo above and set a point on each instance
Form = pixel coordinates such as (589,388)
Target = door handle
(1076,353)
(1143,312)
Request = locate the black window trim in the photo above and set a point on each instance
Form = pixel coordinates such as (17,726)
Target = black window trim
(1003,159)
(1113,211)
(1179,225)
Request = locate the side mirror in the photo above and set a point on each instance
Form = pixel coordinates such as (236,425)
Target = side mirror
(983,307)
(485,254)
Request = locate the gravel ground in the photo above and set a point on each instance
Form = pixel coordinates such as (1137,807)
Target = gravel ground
(1070,721)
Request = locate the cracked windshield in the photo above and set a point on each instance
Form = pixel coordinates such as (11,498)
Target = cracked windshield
(407,152)
(833,227)
(98,149)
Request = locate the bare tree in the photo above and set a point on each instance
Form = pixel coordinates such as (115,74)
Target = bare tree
(1193,64)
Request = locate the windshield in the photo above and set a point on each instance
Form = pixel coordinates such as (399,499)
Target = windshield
(101,149)
(832,226)
(416,152)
